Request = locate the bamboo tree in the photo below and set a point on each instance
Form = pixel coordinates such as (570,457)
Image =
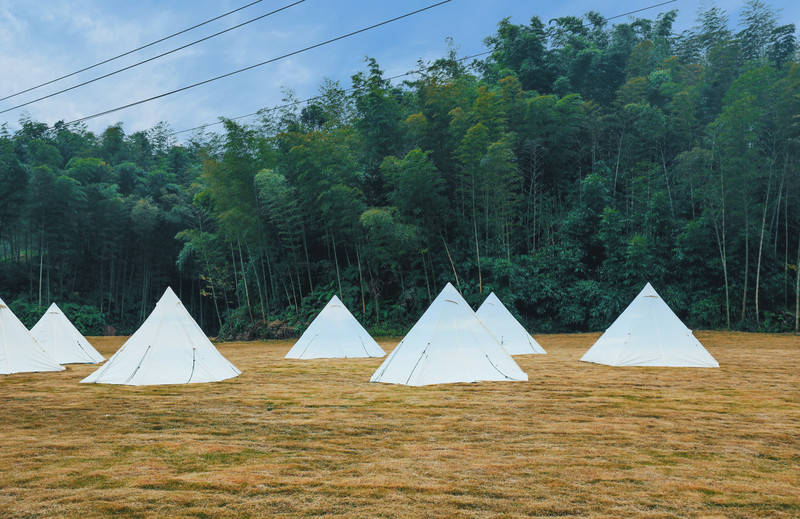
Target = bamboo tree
(761,243)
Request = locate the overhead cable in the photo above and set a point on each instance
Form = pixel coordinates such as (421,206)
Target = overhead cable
(148,60)
(223,15)
(642,9)
(307,100)
(272,60)
(295,103)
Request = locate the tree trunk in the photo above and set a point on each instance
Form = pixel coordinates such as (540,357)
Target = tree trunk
(235,277)
(761,243)
(427,281)
(533,166)
(797,290)
(336,260)
(475,229)
(213,289)
(478,255)
(308,262)
(49,295)
(666,181)
(41,263)
(746,260)
(722,243)
(361,283)
(616,169)
(723,258)
(374,289)
(267,281)
(244,281)
(271,276)
(447,249)
(786,248)
(291,285)
(258,283)
(776,218)
(286,291)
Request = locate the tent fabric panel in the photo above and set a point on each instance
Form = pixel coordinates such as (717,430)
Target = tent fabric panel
(20,352)
(648,333)
(514,338)
(448,344)
(63,342)
(168,348)
(335,333)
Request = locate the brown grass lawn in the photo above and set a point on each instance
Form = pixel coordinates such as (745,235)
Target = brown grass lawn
(311,438)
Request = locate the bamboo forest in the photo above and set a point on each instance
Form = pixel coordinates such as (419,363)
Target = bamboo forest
(566,167)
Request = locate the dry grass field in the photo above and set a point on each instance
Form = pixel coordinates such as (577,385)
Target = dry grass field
(313,438)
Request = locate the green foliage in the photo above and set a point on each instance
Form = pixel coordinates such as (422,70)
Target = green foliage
(86,318)
(578,161)
(417,188)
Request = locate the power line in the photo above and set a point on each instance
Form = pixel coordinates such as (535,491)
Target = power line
(148,60)
(295,103)
(238,71)
(346,90)
(223,15)
(642,9)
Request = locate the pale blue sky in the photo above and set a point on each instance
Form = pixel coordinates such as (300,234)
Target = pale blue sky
(45,39)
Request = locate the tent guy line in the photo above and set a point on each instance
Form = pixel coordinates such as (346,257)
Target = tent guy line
(137,49)
(271,60)
(153,58)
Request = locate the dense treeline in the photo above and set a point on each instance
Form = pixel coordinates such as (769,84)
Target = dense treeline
(576,162)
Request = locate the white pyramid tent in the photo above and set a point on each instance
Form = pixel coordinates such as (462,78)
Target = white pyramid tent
(511,334)
(648,333)
(335,333)
(448,344)
(19,351)
(62,341)
(169,348)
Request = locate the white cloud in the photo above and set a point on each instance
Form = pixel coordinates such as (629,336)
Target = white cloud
(11,26)
(41,42)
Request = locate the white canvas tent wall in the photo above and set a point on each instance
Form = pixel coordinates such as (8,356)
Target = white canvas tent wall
(169,348)
(511,334)
(19,351)
(648,333)
(335,333)
(448,344)
(62,341)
